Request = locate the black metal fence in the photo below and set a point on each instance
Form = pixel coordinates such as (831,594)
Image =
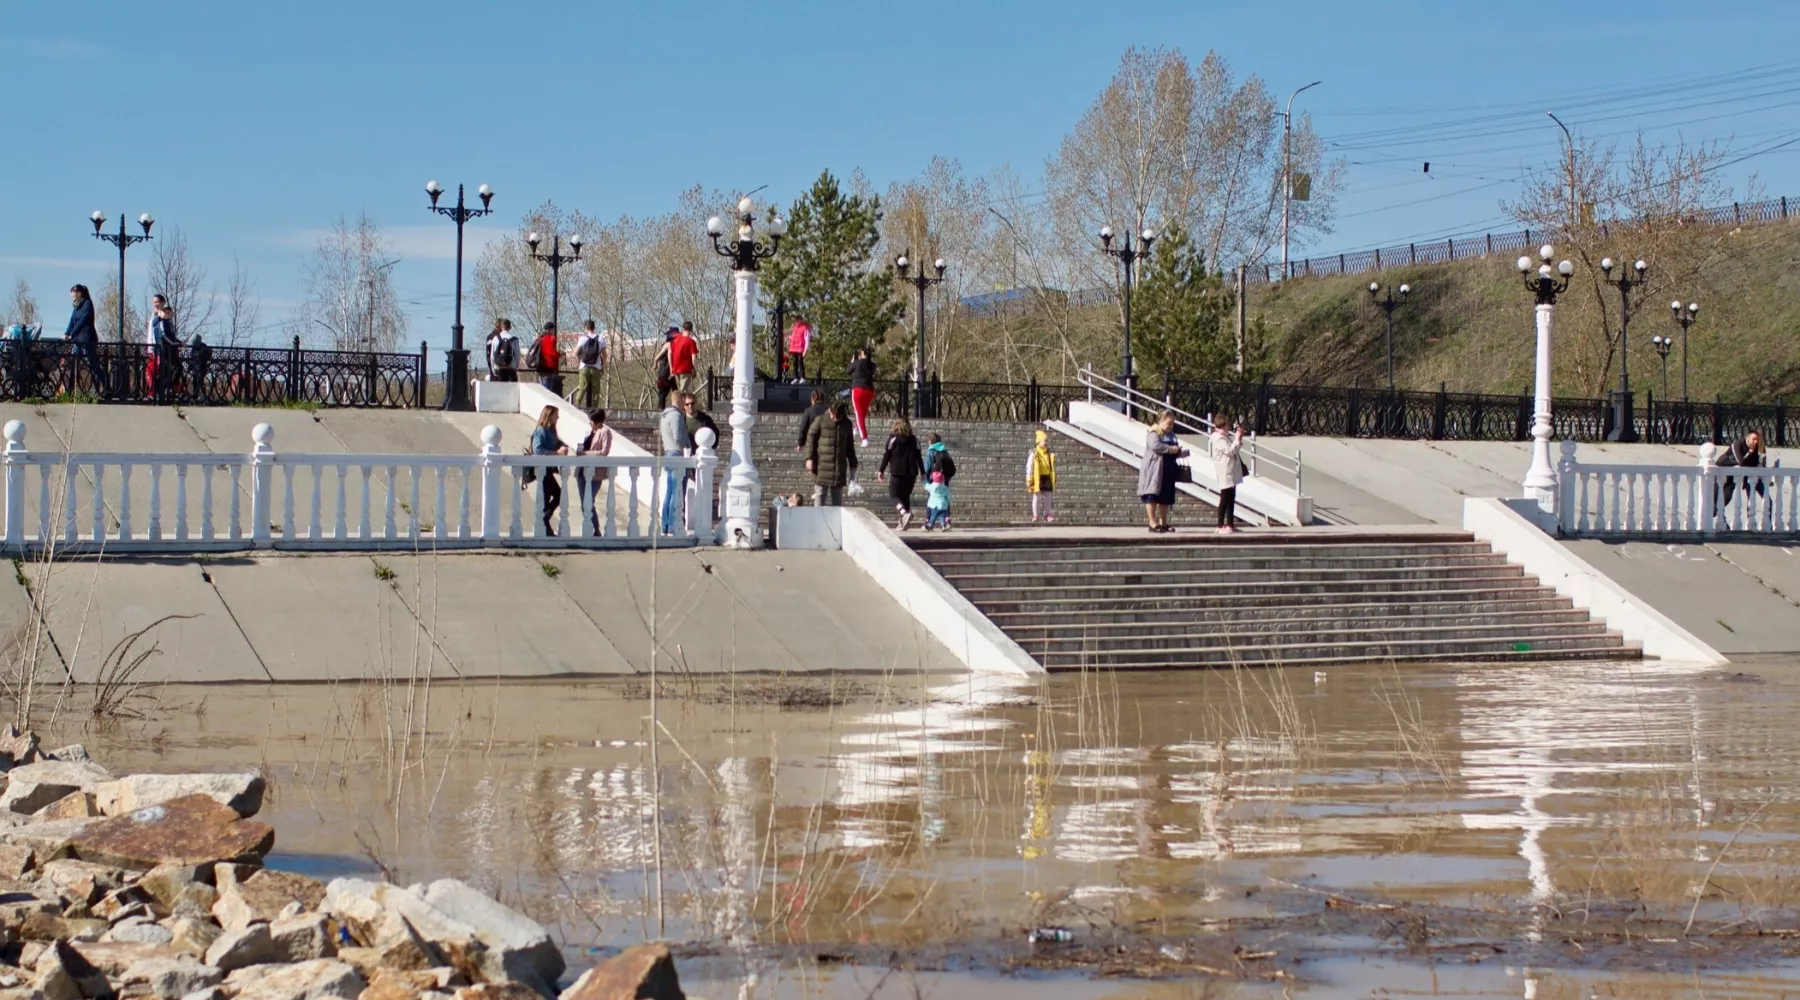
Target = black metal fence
(263,376)
(1463,416)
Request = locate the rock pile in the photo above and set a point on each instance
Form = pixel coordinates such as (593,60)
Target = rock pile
(152,885)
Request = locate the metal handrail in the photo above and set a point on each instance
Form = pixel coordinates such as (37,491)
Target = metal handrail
(1254,453)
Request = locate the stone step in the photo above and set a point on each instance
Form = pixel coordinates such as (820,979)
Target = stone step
(1274,601)
(1234,585)
(1319,656)
(1252,619)
(1297,572)
(942,552)
(1153,568)
(1187,639)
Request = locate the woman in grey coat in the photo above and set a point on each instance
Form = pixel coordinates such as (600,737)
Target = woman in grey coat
(1156,475)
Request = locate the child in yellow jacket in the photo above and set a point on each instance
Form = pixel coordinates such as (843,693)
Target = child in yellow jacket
(1040,478)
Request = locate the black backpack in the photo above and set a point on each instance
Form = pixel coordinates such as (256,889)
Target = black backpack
(506,353)
(534,358)
(589,351)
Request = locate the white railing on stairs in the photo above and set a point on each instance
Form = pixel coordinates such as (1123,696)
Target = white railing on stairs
(1262,460)
(1667,501)
(196,502)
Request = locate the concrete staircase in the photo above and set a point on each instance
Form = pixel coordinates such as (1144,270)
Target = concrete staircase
(989,490)
(1277,598)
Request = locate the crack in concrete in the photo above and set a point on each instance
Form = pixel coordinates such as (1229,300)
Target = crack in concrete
(1766,585)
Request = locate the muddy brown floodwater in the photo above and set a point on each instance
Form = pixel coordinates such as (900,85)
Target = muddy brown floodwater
(1554,830)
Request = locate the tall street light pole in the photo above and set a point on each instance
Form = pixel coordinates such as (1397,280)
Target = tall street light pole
(743,490)
(1128,255)
(555,260)
(1573,212)
(122,240)
(1686,318)
(1624,425)
(920,281)
(1662,345)
(1287,168)
(456,360)
(1546,283)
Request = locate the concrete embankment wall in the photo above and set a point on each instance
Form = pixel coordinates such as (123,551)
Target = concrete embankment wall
(282,617)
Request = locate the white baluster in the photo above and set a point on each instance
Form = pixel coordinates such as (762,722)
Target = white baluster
(1568,513)
(631,501)
(99,503)
(287,496)
(610,527)
(155,533)
(439,526)
(413,530)
(1708,483)
(562,509)
(491,479)
(521,496)
(469,478)
(702,502)
(125,502)
(387,509)
(340,529)
(44,535)
(15,458)
(70,507)
(363,527)
(181,500)
(235,489)
(313,526)
(206,502)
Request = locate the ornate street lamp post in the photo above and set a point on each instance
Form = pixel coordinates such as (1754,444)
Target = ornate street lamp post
(1685,317)
(1624,426)
(1662,345)
(1128,255)
(1388,305)
(555,260)
(743,488)
(456,360)
(920,281)
(122,240)
(1546,283)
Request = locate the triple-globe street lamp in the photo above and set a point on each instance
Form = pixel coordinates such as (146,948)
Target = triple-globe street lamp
(1545,282)
(920,281)
(1624,426)
(743,488)
(555,260)
(122,240)
(1127,255)
(456,367)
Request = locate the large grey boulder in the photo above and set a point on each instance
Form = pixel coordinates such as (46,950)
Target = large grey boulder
(242,791)
(242,948)
(315,980)
(517,939)
(34,786)
(172,978)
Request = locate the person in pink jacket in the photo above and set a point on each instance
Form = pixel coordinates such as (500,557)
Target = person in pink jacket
(799,342)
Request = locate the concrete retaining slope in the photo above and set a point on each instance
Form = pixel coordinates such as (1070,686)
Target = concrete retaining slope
(1740,598)
(345,617)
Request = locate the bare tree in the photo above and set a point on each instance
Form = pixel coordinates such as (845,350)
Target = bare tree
(106,313)
(176,273)
(350,300)
(24,304)
(242,307)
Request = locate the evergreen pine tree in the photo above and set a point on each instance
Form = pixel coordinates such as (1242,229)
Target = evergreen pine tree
(1180,315)
(826,272)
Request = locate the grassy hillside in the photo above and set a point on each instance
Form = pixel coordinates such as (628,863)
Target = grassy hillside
(1469,325)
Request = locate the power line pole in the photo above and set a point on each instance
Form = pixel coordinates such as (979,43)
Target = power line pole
(1241,283)
(1287,169)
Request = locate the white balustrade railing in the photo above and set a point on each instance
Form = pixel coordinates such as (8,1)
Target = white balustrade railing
(196,502)
(1660,501)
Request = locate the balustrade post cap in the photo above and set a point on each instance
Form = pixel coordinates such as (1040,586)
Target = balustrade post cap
(490,436)
(1568,448)
(706,438)
(262,434)
(15,433)
(1707,451)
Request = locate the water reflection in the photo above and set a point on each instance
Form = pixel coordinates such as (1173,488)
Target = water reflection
(949,809)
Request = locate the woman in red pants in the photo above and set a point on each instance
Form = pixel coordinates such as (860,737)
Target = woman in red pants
(862,392)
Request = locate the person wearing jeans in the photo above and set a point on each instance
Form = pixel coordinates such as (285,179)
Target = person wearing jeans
(673,429)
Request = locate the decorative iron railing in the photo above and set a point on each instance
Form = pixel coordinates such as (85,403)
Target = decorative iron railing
(262,376)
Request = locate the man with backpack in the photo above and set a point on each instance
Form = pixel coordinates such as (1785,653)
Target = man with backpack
(590,361)
(545,358)
(683,349)
(503,353)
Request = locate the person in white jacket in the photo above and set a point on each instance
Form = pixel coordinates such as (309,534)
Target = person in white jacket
(1226,442)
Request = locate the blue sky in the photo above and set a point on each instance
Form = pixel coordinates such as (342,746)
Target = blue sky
(253,125)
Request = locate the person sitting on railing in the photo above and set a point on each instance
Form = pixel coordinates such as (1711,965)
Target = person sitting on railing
(544,441)
(1747,453)
(1227,441)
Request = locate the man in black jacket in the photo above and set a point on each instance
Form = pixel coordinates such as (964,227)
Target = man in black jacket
(811,413)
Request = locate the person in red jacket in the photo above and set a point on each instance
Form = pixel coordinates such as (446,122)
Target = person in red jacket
(682,352)
(799,342)
(547,360)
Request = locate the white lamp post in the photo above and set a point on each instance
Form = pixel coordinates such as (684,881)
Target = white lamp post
(743,488)
(1546,283)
